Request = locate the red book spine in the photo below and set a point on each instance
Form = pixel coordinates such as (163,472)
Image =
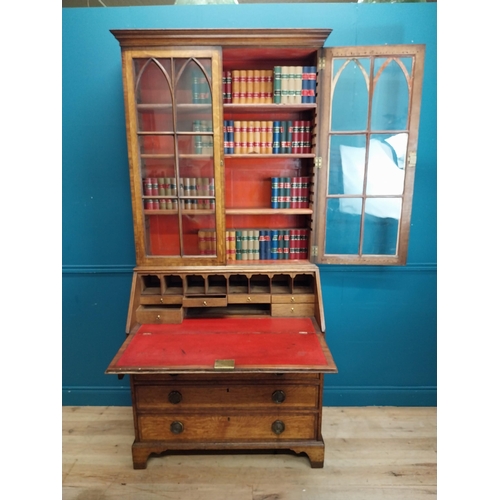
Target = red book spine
(229,87)
(295,192)
(293,244)
(301,135)
(295,137)
(307,137)
(304,243)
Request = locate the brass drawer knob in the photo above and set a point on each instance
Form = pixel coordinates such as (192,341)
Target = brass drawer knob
(292,299)
(176,427)
(278,396)
(175,397)
(278,427)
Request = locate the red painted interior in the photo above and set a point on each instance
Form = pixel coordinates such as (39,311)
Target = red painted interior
(277,342)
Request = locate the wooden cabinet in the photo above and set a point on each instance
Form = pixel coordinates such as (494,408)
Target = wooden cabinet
(253,156)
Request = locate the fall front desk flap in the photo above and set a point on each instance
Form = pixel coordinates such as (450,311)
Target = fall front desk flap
(215,344)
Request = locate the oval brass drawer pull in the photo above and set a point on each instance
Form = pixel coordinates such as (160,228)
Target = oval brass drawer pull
(175,397)
(176,427)
(278,396)
(278,427)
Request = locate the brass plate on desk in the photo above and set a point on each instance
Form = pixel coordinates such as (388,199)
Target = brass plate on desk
(224,364)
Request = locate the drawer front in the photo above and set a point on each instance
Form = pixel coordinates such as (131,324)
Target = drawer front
(229,396)
(292,310)
(160,299)
(293,299)
(249,299)
(227,427)
(204,301)
(145,315)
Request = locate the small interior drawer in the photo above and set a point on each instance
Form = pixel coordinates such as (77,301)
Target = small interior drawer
(264,298)
(159,314)
(160,299)
(299,310)
(205,301)
(293,298)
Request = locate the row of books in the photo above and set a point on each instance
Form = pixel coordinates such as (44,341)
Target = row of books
(258,244)
(248,86)
(290,192)
(174,203)
(267,137)
(189,186)
(281,85)
(294,84)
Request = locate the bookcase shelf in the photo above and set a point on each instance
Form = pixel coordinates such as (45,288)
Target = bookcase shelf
(268,108)
(276,156)
(184,211)
(269,211)
(159,156)
(196,108)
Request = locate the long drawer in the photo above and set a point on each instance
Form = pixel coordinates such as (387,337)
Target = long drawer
(226,427)
(230,396)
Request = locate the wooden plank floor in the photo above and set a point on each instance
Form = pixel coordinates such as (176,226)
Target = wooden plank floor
(371,453)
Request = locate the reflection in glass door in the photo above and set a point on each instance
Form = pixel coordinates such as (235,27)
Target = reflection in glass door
(371,129)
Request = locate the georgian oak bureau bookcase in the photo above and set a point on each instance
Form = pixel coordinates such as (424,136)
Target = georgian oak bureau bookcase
(254,155)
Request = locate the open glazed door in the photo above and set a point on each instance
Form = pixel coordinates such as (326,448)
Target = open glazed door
(369,129)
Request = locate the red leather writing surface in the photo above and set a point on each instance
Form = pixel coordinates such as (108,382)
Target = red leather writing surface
(250,342)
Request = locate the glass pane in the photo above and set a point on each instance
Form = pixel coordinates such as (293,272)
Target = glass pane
(347,164)
(380,234)
(350,94)
(193,94)
(386,162)
(198,233)
(153,81)
(162,234)
(200,143)
(391,94)
(154,119)
(343,225)
(156,144)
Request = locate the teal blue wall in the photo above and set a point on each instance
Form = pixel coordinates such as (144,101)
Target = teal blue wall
(381,322)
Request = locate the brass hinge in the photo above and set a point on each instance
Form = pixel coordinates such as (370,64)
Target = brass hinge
(224,364)
(321,63)
(317,161)
(412,159)
(314,251)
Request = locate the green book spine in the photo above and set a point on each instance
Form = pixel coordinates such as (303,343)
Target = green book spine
(238,245)
(277,85)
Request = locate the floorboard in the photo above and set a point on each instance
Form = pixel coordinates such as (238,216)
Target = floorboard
(371,453)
